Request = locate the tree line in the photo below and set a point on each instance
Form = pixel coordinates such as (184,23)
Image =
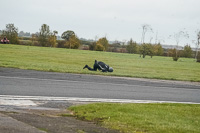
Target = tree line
(47,38)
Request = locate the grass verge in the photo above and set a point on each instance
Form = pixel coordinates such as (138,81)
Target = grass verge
(151,118)
(73,61)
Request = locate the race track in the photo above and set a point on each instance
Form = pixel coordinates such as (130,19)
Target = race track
(18,82)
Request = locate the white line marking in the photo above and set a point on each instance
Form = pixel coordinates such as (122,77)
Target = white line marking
(17,102)
(45,98)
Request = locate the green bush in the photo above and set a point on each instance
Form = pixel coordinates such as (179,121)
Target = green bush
(25,42)
(92,46)
(61,43)
(175,54)
(175,58)
(99,47)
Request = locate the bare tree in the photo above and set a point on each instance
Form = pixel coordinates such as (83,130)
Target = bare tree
(177,37)
(145,28)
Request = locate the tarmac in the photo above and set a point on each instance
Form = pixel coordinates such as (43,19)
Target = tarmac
(33,116)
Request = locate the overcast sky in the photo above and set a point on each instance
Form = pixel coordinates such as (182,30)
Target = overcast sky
(116,19)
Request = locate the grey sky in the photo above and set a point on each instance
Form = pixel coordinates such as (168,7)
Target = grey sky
(115,19)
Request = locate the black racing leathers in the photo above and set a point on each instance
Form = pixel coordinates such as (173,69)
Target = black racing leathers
(101,66)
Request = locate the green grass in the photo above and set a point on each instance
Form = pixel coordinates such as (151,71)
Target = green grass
(72,61)
(150,118)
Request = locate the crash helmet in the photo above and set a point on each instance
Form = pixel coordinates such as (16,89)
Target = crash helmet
(110,69)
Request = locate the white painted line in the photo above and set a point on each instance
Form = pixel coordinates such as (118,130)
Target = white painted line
(17,102)
(12,98)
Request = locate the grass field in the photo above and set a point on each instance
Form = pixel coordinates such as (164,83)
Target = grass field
(150,118)
(125,117)
(72,61)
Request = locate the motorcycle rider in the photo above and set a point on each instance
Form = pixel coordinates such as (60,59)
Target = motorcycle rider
(101,66)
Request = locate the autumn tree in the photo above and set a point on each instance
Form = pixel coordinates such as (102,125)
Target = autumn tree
(71,39)
(104,42)
(11,32)
(175,54)
(52,39)
(73,42)
(99,47)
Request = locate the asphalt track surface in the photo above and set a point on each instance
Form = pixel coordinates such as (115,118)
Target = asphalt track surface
(19,82)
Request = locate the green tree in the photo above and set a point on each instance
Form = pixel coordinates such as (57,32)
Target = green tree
(131,47)
(158,50)
(44,35)
(146,49)
(104,42)
(150,50)
(143,50)
(11,32)
(67,35)
(187,52)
